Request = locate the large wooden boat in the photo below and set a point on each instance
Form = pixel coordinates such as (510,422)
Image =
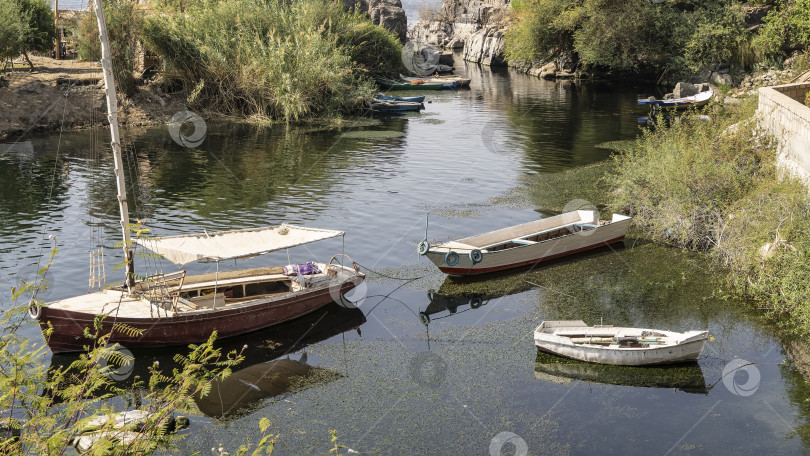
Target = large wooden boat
(168,309)
(701,99)
(618,346)
(526,244)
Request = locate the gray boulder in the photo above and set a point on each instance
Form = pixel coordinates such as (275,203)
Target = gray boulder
(387,13)
(685,89)
(486,46)
(722,78)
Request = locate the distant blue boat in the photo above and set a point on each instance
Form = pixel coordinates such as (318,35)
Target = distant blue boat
(381,97)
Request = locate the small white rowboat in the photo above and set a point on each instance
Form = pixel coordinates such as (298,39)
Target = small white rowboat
(618,346)
(526,244)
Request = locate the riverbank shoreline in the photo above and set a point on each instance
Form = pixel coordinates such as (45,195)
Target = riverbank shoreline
(69,95)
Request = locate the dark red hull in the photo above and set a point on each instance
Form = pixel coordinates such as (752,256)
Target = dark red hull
(182,329)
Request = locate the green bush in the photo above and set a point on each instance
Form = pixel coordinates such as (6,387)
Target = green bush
(631,36)
(124,26)
(539,28)
(279,60)
(786,26)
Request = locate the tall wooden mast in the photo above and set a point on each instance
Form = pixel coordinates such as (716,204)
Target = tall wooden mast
(112,115)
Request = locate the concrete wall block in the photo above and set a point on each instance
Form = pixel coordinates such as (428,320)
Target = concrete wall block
(783,114)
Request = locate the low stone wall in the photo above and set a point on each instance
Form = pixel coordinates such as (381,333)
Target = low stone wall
(783,113)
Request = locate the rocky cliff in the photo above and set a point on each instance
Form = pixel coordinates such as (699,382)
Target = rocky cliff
(387,13)
(476,26)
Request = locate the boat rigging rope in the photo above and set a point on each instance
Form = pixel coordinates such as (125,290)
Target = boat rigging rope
(50,198)
(388,296)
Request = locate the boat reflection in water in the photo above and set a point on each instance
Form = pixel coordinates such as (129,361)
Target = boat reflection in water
(683,377)
(457,296)
(267,370)
(443,306)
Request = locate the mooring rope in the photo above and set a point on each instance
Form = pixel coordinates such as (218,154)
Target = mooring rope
(407,279)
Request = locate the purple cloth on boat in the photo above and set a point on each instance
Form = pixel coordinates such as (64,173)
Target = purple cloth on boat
(301,269)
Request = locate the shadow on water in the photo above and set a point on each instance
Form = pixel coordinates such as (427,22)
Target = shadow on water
(267,370)
(683,377)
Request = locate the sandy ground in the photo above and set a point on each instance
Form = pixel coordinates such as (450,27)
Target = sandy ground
(70,94)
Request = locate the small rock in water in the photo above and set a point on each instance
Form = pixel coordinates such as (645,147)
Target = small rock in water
(181,422)
(85,442)
(131,418)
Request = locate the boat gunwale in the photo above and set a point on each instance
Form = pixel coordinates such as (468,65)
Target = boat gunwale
(445,246)
(513,227)
(142,297)
(674,338)
(682,102)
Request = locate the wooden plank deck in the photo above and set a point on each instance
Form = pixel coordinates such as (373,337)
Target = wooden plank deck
(111,302)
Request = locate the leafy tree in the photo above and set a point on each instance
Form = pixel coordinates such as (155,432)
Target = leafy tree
(25,25)
(541,28)
(786,26)
(717,37)
(124,25)
(635,36)
(627,35)
(12,29)
(41,27)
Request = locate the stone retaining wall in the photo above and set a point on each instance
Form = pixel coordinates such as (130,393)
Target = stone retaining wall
(783,113)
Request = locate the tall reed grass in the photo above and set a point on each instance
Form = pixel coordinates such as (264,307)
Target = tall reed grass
(284,60)
(714,186)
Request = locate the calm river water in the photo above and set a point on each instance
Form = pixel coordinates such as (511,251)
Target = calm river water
(431,365)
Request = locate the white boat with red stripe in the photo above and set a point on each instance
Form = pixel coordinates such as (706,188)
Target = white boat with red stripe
(526,244)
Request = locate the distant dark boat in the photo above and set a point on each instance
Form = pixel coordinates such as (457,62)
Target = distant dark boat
(416,99)
(701,99)
(396,106)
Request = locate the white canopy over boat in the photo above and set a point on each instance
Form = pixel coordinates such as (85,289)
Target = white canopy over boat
(236,244)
